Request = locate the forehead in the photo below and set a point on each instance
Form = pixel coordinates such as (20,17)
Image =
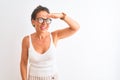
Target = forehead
(42,14)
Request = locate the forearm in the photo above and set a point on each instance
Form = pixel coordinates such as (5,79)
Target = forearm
(72,24)
(23,69)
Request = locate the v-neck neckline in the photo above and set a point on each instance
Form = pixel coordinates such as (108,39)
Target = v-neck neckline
(38,53)
(44,53)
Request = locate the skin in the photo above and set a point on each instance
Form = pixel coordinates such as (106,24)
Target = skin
(41,38)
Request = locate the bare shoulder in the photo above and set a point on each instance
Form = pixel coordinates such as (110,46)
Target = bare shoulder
(53,34)
(25,41)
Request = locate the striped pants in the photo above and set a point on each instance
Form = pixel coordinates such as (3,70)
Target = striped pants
(50,77)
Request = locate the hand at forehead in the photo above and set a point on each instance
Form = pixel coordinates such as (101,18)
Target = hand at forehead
(54,15)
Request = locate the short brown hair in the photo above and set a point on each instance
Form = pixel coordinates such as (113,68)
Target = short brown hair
(37,10)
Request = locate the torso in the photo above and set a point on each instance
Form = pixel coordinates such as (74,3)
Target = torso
(42,56)
(42,45)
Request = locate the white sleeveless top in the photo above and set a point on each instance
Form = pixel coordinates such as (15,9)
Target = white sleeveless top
(42,64)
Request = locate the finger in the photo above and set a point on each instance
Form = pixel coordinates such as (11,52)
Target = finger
(52,16)
(49,16)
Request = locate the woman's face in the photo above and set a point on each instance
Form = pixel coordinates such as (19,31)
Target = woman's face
(41,22)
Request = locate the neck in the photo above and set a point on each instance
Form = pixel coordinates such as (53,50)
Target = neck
(41,35)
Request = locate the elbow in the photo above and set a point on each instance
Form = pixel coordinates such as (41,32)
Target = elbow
(77,27)
(74,27)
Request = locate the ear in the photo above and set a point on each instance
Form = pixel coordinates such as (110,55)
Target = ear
(33,22)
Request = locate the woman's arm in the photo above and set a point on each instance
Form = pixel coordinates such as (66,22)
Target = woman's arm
(24,58)
(73,26)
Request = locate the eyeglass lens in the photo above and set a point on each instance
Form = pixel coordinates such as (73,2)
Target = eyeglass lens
(41,20)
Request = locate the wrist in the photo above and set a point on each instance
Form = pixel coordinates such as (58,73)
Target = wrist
(63,17)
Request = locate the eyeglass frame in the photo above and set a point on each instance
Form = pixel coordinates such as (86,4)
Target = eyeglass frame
(44,20)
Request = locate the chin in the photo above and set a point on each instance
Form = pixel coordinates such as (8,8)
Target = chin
(44,30)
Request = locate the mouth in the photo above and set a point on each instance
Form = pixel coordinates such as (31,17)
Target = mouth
(43,28)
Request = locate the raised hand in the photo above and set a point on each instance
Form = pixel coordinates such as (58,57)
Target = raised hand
(55,15)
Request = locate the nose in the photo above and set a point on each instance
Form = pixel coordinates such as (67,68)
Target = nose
(44,22)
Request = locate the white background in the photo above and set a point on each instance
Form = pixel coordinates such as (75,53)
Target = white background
(93,53)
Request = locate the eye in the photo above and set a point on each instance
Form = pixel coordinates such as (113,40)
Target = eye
(41,20)
(49,21)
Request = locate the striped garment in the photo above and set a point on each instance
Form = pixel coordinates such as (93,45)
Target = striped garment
(50,77)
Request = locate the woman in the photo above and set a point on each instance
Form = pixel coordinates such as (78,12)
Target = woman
(39,47)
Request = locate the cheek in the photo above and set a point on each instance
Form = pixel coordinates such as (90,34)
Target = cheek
(37,25)
(47,26)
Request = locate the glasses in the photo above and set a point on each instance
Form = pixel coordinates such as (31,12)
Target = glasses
(41,20)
